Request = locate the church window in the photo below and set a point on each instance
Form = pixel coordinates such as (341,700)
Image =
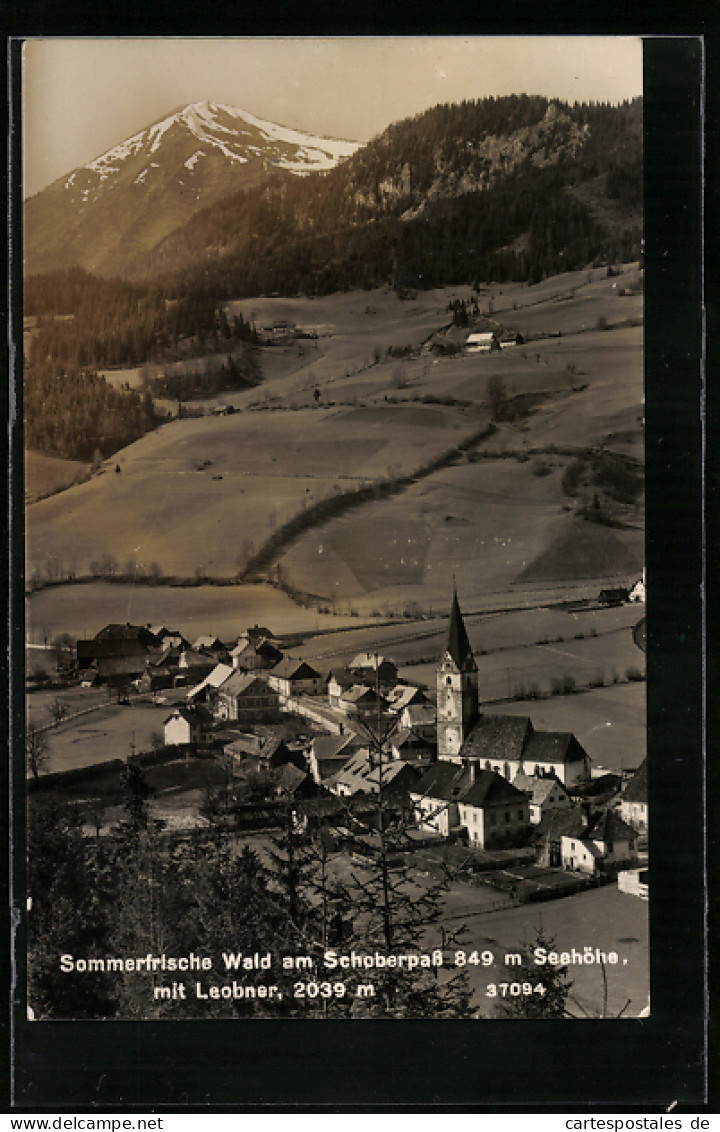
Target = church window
(448,680)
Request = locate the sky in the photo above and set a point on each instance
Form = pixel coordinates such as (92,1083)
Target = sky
(82,96)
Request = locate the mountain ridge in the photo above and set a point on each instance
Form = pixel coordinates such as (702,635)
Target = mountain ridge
(119,205)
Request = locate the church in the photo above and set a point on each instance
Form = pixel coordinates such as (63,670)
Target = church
(469,789)
(508,744)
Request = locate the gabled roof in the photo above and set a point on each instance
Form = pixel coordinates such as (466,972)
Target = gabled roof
(458,643)
(539,787)
(636,789)
(290,668)
(403,695)
(491,789)
(240,682)
(609,826)
(342,677)
(498,737)
(444,780)
(207,642)
(331,746)
(358,693)
(118,632)
(214,679)
(290,778)
(419,715)
(553,747)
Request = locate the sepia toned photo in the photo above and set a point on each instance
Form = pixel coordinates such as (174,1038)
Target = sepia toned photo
(334,469)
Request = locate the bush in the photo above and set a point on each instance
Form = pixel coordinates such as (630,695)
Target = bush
(540,467)
(633,674)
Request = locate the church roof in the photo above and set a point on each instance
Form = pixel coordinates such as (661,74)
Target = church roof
(498,737)
(458,643)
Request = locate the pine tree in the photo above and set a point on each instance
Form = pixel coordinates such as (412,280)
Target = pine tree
(552,1001)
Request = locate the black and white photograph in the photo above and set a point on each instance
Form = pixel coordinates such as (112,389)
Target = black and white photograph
(335,571)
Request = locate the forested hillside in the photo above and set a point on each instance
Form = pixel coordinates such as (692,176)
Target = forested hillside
(510,188)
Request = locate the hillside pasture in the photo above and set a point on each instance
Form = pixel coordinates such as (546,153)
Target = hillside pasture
(194,494)
(485,522)
(45,475)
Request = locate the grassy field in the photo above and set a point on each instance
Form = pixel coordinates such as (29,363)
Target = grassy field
(191,495)
(45,475)
(82,610)
(107,732)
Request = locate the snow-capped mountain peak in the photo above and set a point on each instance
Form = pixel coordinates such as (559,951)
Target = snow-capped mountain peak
(126,199)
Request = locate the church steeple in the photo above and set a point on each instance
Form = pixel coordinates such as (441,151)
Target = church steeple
(457,688)
(458,643)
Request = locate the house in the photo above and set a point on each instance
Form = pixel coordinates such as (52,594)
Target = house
(292,782)
(328,753)
(209,644)
(403,696)
(493,812)
(636,882)
(246,698)
(411,746)
(637,593)
(253,656)
(186,726)
(598,843)
(435,797)
(117,642)
(208,686)
(364,773)
(634,801)
(369,668)
(338,681)
(421,719)
(510,338)
(362,702)
(545,794)
(293,677)
(482,342)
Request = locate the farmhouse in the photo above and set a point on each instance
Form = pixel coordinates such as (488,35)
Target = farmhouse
(598,844)
(246,698)
(634,803)
(293,677)
(186,726)
(328,753)
(468,802)
(507,744)
(482,343)
(411,746)
(207,687)
(363,773)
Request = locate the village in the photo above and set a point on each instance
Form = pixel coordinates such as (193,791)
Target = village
(268,730)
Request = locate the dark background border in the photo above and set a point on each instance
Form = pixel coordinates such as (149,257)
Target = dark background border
(637,1065)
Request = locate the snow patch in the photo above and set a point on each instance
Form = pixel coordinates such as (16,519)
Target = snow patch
(192,161)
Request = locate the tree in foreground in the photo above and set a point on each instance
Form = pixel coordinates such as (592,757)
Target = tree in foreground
(550,983)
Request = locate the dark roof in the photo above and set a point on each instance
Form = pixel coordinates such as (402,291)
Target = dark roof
(239,682)
(128,632)
(290,778)
(342,676)
(458,643)
(609,826)
(498,737)
(443,780)
(121,666)
(636,789)
(489,789)
(553,746)
(331,746)
(290,668)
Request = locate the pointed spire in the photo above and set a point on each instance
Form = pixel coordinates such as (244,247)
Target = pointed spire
(458,643)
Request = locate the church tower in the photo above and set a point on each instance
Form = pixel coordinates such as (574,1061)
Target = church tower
(457,689)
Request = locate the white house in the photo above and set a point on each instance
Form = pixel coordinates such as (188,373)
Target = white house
(185,726)
(634,802)
(601,842)
(295,677)
(482,343)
